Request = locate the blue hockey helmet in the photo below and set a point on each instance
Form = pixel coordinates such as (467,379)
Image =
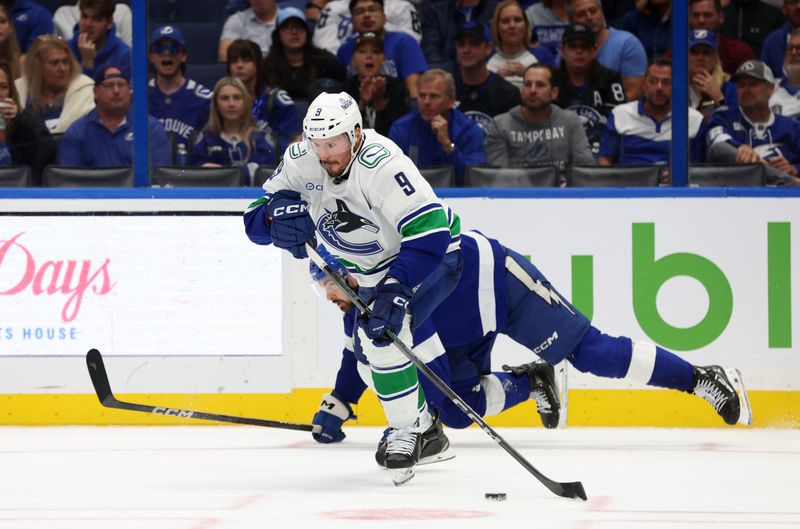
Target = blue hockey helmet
(317,274)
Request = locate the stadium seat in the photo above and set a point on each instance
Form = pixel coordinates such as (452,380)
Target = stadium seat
(15,176)
(202,40)
(262,173)
(439,175)
(207,74)
(726,175)
(173,176)
(489,176)
(613,176)
(70,176)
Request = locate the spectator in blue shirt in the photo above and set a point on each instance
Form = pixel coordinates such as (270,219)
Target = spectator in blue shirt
(403,55)
(438,133)
(179,103)
(30,20)
(640,132)
(774,47)
(230,137)
(104,136)
(95,42)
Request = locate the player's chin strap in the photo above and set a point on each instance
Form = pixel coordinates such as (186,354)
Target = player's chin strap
(567,490)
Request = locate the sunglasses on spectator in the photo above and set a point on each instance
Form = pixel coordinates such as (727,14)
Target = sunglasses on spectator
(167,47)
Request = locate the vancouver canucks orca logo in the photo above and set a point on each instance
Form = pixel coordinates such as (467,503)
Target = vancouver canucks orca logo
(333,224)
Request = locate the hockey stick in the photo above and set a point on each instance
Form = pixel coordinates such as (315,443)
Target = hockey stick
(567,490)
(97,372)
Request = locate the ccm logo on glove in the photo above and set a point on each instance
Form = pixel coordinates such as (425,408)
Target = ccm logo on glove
(290,209)
(400,302)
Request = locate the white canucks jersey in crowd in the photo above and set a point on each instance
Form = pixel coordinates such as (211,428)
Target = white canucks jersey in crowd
(335,24)
(363,220)
(785,100)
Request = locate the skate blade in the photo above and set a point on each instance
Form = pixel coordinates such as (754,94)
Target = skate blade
(437,458)
(745,412)
(561,383)
(401,475)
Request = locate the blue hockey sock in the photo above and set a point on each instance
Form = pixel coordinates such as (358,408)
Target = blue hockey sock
(517,389)
(671,371)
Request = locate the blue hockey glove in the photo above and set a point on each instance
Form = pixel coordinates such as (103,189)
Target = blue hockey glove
(290,224)
(391,305)
(333,412)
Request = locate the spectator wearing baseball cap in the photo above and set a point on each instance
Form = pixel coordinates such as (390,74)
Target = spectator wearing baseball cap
(751,132)
(95,43)
(584,85)
(708,15)
(295,64)
(179,103)
(441,22)
(104,136)
(481,94)
(381,99)
(708,87)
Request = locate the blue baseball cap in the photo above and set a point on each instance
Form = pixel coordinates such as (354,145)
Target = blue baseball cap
(285,13)
(167,32)
(103,74)
(702,36)
(476,29)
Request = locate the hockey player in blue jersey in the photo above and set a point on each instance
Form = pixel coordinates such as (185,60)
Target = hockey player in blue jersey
(180,104)
(358,192)
(501,292)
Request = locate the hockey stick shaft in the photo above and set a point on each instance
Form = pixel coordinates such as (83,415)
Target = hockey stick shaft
(102,387)
(567,490)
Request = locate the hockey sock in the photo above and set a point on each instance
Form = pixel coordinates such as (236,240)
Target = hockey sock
(399,393)
(515,389)
(640,361)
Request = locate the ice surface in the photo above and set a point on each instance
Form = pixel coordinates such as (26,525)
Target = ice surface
(246,478)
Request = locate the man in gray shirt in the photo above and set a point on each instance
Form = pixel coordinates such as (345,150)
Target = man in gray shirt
(538,132)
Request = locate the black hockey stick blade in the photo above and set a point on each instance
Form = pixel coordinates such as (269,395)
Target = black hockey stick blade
(102,387)
(566,490)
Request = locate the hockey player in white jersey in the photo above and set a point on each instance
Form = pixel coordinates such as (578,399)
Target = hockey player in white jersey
(368,203)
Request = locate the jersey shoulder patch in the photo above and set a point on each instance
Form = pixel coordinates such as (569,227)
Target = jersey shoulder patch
(296,150)
(372,155)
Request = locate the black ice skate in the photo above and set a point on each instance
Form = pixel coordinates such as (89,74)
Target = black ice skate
(550,398)
(724,390)
(435,446)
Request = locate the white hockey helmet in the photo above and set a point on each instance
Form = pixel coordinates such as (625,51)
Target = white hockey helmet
(330,115)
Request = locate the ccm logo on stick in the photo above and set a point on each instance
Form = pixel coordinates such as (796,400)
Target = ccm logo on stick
(173,411)
(287,210)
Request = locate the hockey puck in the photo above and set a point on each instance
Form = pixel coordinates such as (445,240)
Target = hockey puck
(497,496)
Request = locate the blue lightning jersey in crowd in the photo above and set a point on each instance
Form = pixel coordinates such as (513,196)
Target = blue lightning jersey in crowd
(779,136)
(227,151)
(276,114)
(184,112)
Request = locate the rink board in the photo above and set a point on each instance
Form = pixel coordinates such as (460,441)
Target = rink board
(232,327)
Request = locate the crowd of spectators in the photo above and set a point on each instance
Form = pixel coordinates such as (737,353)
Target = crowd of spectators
(452,82)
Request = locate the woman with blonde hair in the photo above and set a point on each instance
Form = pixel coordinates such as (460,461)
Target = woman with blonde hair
(511,34)
(53,86)
(9,46)
(709,87)
(230,138)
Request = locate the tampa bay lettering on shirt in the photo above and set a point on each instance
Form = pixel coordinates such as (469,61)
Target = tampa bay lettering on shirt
(532,136)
